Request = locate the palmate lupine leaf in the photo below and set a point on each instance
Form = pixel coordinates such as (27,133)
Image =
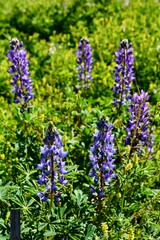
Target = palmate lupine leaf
(3,195)
(6,192)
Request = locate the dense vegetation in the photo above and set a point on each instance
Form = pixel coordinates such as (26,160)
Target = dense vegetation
(50,31)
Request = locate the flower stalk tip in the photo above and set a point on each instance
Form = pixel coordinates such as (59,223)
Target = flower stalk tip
(84,60)
(124,73)
(21,82)
(138,129)
(52,165)
(101,158)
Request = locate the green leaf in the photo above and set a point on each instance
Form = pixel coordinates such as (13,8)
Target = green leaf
(149,191)
(135,206)
(4,237)
(90,231)
(41,226)
(50,233)
(79,197)
(2,223)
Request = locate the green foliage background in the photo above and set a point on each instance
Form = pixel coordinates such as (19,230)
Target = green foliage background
(51,31)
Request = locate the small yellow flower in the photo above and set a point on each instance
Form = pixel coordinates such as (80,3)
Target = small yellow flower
(42,117)
(44,80)
(129,166)
(152,86)
(119,195)
(158,105)
(131,234)
(158,154)
(128,149)
(36,86)
(136,159)
(2,156)
(105,230)
(49,89)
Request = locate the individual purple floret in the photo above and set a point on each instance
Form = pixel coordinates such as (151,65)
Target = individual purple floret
(101,158)
(21,82)
(124,73)
(138,126)
(52,165)
(85,60)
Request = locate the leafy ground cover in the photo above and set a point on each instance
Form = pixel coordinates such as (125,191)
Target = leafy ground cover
(51,31)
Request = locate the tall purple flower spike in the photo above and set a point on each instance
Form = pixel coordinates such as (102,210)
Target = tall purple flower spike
(101,158)
(21,82)
(138,129)
(124,73)
(85,60)
(52,165)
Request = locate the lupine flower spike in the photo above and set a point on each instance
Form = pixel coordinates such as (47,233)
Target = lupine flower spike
(52,165)
(101,158)
(84,60)
(138,129)
(21,82)
(124,73)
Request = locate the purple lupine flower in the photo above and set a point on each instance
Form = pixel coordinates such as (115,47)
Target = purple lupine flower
(52,165)
(124,73)
(21,82)
(102,157)
(43,196)
(138,129)
(84,60)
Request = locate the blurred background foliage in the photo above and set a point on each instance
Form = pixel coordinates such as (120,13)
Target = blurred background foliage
(51,31)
